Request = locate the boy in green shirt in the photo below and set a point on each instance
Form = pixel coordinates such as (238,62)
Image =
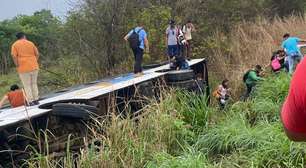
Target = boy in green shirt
(251,78)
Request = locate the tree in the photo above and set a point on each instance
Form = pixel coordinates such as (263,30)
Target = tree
(285,8)
(42,28)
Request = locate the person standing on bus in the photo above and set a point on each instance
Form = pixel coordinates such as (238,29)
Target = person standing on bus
(25,55)
(188,28)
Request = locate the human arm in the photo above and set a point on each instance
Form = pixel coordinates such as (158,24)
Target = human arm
(36,52)
(254,76)
(291,120)
(146,42)
(3,100)
(293,136)
(126,37)
(228,92)
(219,90)
(167,36)
(192,27)
(184,29)
(14,54)
(281,56)
(283,46)
(301,40)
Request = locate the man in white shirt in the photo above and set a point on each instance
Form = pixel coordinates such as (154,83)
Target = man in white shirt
(172,33)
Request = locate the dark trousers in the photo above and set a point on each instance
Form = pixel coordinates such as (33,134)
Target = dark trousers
(172,51)
(188,49)
(249,90)
(181,51)
(138,55)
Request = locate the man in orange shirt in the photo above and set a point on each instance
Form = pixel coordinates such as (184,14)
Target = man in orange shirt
(25,55)
(15,97)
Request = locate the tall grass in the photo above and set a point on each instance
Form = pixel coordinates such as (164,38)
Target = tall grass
(251,133)
(271,149)
(248,44)
(188,159)
(267,99)
(192,108)
(182,131)
(165,127)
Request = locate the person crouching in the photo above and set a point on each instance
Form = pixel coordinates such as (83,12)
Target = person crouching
(222,93)
(15,97)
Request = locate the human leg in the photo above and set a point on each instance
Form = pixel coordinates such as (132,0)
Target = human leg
(138,61)
(222,103)
(27,85)
(290,64)
(35,90)
(189,49)
(170,55)
(249,90)
(295,59)
(172,51)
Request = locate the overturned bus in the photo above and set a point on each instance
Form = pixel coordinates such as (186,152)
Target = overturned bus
(68,111)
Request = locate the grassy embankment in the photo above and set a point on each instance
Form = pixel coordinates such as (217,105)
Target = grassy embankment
(182,131)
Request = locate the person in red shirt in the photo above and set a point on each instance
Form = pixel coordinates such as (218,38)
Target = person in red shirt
(15,97)
(293,113)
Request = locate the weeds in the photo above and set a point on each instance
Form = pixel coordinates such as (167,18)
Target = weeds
(193,108)
(188,159)
(182,131)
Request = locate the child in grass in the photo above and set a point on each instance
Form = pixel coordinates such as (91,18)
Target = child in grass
(222,93)
(278,61)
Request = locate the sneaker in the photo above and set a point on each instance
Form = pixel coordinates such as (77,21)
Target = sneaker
(35,102)
(139,74)
(30,104)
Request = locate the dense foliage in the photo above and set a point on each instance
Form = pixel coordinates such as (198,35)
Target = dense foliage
(90,39)
(179,131)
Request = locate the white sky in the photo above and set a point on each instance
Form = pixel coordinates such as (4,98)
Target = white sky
(11,8)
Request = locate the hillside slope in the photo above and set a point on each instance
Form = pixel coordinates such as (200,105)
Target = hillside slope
(181,131)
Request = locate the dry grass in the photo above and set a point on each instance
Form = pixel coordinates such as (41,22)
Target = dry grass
(249,44)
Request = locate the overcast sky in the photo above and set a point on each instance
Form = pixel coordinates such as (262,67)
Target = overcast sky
(11,8)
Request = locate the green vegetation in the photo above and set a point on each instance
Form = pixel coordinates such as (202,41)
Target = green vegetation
(181,131)
(89,43)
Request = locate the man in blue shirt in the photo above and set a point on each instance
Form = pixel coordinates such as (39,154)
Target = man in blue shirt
(294,55)
(138,51)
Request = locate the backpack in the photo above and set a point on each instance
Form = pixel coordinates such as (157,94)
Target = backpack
(275,64)
(216,93)
(246,75)
(134,39)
